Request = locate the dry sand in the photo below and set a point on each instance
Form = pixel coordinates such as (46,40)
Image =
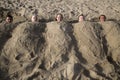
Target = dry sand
(60,51)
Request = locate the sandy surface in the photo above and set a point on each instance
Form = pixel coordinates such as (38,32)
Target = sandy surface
(56,51)
(70,8)
(47,50)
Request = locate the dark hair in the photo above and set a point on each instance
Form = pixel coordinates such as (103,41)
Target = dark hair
(102,15)
(81,15)
(57,15)
(10,16)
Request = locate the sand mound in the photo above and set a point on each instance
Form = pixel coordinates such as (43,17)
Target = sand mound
(61,51)
(27,39)
(112,35)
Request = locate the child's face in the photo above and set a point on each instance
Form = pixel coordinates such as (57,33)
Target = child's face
(59,18)
(34,18)
(102,18)
(8,20)
(81,18)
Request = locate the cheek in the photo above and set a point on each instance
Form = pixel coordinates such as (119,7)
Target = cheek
(80,18)
(8,20)
(33,19)
(58,18)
